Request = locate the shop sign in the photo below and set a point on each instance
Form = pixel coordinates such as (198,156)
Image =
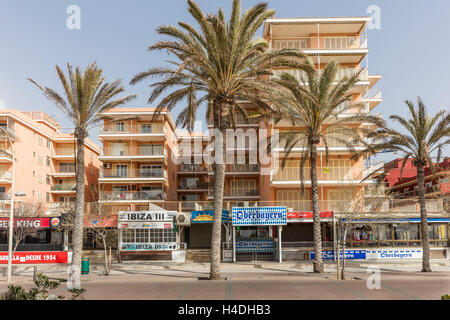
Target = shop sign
(258,216)
(349,254)
(374,254)
(254,246)
(145,225)
(146,215)
(100,221)
(308,215)
(156,246)
(55,222)
(26,223)
(206,216)
(395,254)
(36,257)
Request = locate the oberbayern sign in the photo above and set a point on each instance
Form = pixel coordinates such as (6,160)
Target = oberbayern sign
(259,216)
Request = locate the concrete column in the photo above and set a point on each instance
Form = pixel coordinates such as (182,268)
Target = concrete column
(280,252)
(234,244)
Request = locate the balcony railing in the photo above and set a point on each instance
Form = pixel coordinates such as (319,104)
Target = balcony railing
(68,169)
(133,195)
(243,168)
(442,187)
(324,173)
(192,168)
(195,186)
(132,173)
(237,192)
(341,74)
(5,196)
(65,152)
(155,150)
(117,129)
(323,43)
(64,187)
(5,175)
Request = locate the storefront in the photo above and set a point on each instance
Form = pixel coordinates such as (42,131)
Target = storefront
(147,234)
(40,241)
(298,234)
(198,234)
(257,232)
(397,238)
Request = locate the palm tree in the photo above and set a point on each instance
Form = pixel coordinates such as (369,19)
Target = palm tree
(86,97)
(421,135)
(318,99)
(217,65)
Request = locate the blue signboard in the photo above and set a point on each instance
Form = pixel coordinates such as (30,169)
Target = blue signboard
(259,216)
(254,246)
(349,254)
(206,216)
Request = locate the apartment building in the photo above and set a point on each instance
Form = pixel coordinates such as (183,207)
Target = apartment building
(44,160)
(137,160)
(324,39)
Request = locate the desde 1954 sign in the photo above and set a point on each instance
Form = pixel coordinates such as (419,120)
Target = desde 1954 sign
(146,215)
(47,257)
(258,216)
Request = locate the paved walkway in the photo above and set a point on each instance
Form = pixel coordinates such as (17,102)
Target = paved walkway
(253,281)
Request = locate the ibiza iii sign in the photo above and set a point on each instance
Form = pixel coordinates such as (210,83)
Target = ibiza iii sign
(147,215)
(259,216)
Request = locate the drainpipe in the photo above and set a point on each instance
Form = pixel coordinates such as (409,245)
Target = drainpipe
(280,252)
(234,244)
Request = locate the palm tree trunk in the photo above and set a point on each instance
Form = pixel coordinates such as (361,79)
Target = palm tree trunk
(318,262)
(423,217)
(77,238)
(219,183)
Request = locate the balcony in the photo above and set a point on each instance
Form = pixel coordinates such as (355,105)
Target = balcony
(335,142)
(64,188)
(64,153)
(65,171)
(5,155)
(343,49)
(132,196)
(198,186)
(373,98)
(133,153)
(5,196)
(237,193)
(140,132)
(325,176)
(115,174)
(242,169)
(192,168)
(5,177)
(440,188)
(359,87)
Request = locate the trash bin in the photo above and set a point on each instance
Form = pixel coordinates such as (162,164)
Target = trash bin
(85,266)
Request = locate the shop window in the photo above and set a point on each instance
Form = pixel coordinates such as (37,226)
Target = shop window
(384,232)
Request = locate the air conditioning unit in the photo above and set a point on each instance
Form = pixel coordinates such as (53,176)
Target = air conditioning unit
(243,204)
(107,165)
(183,219)
(355,142)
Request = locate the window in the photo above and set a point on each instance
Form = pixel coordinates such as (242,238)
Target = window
(120,126)
(40,160)
(121,170)
(47,196)
(39,178)
(47,179)
(146,128)
(49,144)
(48,162)
(40,141)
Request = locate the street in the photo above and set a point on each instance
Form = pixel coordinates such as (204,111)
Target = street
(269,282)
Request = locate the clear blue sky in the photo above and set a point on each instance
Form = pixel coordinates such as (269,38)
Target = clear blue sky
(411,50)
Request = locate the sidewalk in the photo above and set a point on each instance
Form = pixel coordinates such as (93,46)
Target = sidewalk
(170,265)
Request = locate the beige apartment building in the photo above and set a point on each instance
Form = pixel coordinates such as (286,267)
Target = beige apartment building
(137,160)
(45,159)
